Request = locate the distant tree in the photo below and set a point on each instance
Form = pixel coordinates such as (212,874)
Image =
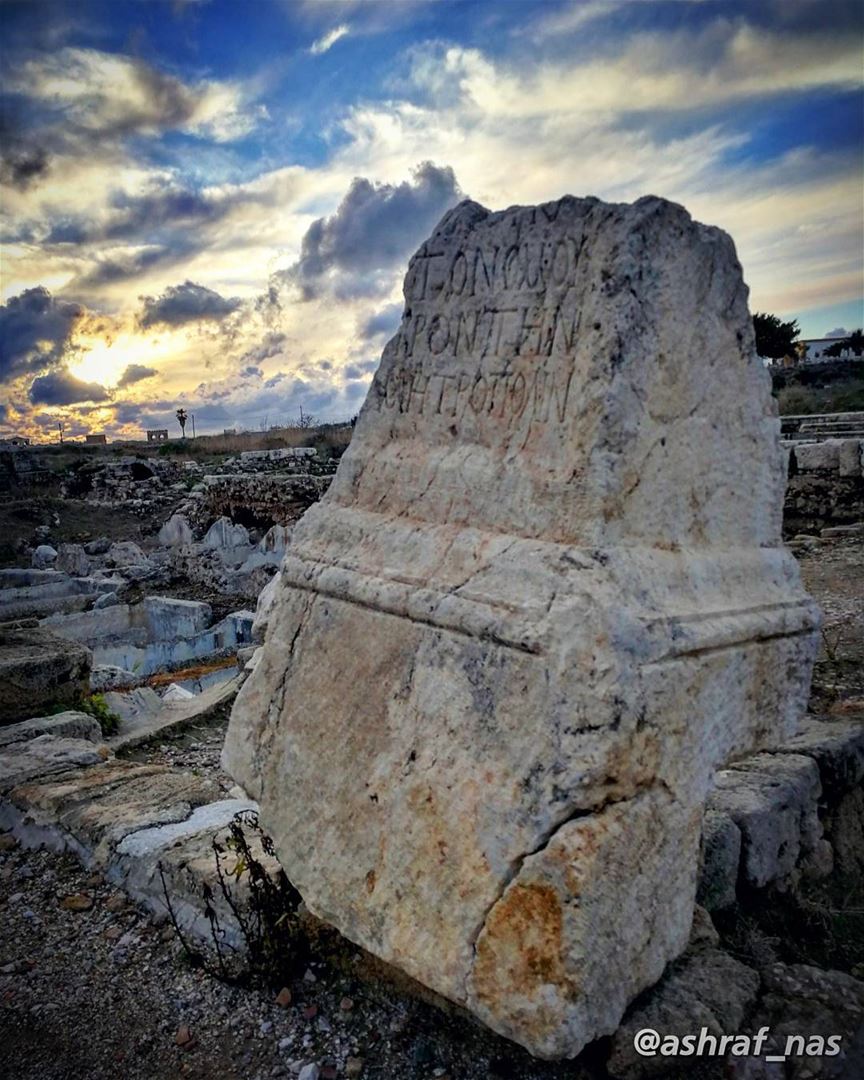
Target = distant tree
(854,343)
(775,338)
(181,420)
(306,420)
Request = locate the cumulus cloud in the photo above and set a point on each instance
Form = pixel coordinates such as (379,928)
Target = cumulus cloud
(185,303)
(62,388)
(328,40)
(353,252)
(838,332)
(35,330)
(135,373)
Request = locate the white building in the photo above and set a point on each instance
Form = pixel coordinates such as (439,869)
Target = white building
(812,350)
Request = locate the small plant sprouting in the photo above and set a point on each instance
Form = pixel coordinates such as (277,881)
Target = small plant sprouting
(266,915)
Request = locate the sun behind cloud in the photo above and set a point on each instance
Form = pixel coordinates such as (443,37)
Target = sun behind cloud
(105,361)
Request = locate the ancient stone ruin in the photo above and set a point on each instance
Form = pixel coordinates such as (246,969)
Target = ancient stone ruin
(544,599)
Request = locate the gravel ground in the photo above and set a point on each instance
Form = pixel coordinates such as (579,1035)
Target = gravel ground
(104,993)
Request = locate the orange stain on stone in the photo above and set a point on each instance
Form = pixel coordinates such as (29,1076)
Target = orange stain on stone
(521,948)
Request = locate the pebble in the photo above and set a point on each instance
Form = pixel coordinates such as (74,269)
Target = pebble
(265,1027)
(310,1072)
(346,1004)
(283,998)
(7,842)
(184,1036)
(77,902)
(353,1066)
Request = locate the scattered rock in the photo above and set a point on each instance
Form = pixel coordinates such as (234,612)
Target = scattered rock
(77,902)
(184,1036)
(44,557)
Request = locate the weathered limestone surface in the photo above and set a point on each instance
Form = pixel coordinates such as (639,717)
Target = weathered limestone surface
(542,602)
(39,669)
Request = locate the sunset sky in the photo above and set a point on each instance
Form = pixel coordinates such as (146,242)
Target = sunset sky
(211,204)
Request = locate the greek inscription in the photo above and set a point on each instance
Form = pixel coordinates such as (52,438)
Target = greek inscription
(503,395)
(521,265)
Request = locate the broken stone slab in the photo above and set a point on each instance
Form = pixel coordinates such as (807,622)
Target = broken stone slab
(133,707)
(125,553)
(224,535)
(183,853)
(850,458)
(107,677)
(44,755)
(819,456)
(39,670)
(837,747)
(72,559)
(544,598)
(71,724)
(857,529)
(773,799)
(176,532)
(177,711)
(161,619)
(709,989)
(721,859)
(93,810)
(53,593)
(44,557)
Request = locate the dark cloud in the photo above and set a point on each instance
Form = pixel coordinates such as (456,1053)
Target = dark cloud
(185,303)
(374,229)
(360,371)
(128,412)
(383,322)
(62,388)
(109,271)
(141,217)
(252,372)
(272,344)
(4,411)
(135,373)
(35,329)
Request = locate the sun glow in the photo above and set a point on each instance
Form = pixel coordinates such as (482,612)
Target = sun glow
(105,361)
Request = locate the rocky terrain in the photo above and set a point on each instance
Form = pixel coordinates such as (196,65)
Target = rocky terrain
(91,986)
(94,984)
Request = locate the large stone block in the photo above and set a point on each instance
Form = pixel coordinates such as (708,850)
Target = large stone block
(39,670)
(544,599)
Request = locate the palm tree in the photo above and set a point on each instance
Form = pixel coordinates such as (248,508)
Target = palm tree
(181,420)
